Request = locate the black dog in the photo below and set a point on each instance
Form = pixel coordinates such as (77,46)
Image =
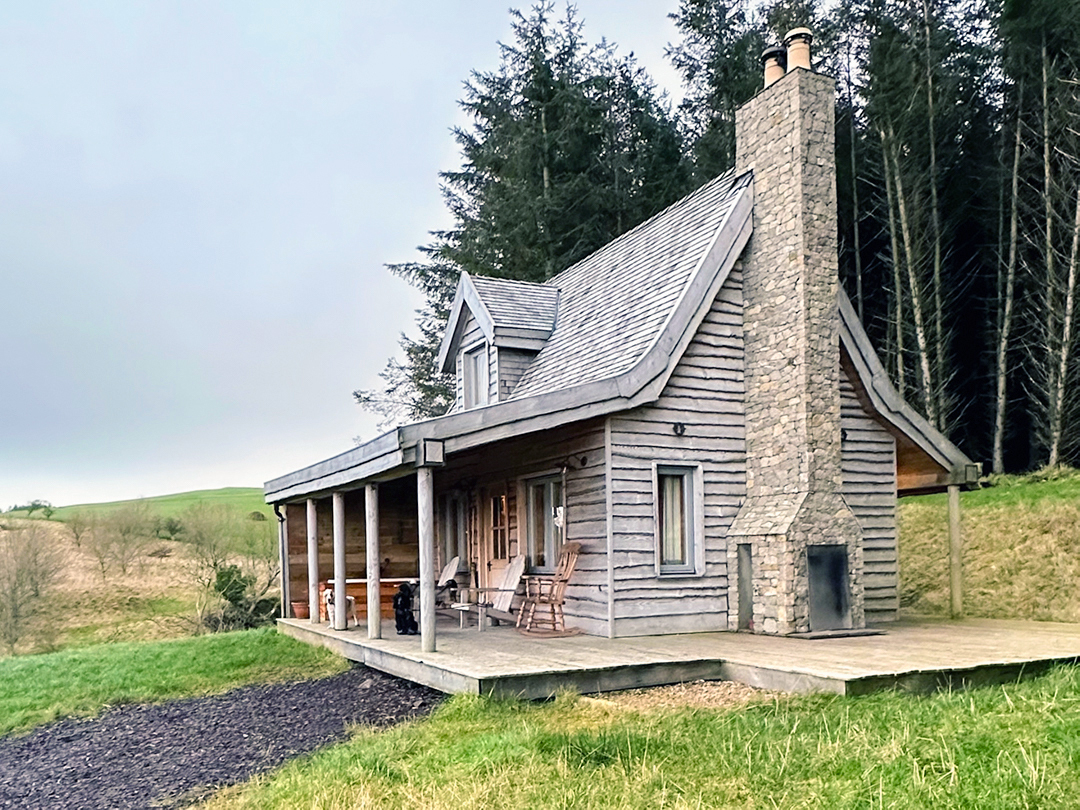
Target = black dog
(403,615)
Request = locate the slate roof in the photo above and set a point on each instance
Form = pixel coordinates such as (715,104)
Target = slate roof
(518,304)
(614,303)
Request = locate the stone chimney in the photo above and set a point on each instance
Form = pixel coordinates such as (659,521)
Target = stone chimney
(795,543)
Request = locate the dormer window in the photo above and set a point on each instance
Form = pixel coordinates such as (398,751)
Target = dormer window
(475,376)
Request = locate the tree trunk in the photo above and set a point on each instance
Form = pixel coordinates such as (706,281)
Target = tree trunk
(898,288)
(921,337)
(1050,280)
(1005,307)
(1065,346)
(935,224)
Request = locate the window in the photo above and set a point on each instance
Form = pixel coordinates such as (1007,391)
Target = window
(545,521)
(475,376)
(500,529)
(678,519)
(453,530)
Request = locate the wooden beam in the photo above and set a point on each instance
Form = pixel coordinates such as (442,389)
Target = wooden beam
(371,530)
(956,571)
(425,505)
(313,561)
(337,621)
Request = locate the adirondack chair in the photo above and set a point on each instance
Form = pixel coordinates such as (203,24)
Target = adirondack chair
(494,603)
(541,611)
(443,593)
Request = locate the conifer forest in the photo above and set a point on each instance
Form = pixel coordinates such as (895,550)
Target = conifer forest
(958,182)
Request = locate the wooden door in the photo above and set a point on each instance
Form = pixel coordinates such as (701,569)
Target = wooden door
(495,535)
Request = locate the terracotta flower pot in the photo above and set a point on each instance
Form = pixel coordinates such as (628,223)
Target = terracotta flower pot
(300,610)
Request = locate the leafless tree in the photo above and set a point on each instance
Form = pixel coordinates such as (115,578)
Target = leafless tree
(30,563)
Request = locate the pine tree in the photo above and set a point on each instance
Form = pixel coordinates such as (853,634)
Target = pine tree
(569,146)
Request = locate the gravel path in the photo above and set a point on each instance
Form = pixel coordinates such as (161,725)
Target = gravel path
(172,754)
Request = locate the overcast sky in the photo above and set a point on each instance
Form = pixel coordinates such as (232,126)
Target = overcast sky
(197,200)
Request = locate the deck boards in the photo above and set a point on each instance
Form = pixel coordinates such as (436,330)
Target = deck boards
(915,656)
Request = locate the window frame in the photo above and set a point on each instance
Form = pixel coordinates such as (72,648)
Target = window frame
(693,507)
(554,535)
(475,376)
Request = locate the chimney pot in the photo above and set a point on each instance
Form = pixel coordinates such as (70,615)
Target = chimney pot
(773,60)
(797,41)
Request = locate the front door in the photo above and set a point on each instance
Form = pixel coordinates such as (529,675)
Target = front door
(495,536)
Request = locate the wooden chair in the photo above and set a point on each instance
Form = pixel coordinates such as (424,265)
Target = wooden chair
(548,594)
(443,593)
(494,603)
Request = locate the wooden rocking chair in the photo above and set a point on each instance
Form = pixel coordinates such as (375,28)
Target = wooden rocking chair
(548,594)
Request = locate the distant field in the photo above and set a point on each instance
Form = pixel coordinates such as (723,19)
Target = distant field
(249,499)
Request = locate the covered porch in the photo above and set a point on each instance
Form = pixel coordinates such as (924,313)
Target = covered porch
(916,656)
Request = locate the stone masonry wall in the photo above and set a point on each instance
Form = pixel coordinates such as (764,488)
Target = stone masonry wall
(792,333)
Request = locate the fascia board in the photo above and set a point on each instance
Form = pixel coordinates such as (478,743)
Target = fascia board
(658,364)
(887,400)
(476,305)
(369,459)
(452,335)
(466,296)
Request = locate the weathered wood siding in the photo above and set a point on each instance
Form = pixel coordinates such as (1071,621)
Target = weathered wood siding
(398,535)
(512,364)
(706,395)
(580,447)
(869,469)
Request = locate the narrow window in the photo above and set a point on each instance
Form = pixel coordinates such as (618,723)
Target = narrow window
(545,522)
(675,520)
(475,373)
(500,529)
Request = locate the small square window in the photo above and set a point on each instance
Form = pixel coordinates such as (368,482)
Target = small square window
(677,523)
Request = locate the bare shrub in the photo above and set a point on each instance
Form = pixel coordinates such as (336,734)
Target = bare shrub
(234,564)
(80,523)
(30,564)
(121,537)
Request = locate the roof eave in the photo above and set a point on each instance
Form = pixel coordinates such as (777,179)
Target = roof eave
(888,403)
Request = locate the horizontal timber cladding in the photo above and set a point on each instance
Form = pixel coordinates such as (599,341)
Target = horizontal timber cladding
(698,420)
(869,470)
(579,447)
(512,364)
(296,550)
(398,535)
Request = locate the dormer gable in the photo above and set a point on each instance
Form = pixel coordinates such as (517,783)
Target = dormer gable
(505,322)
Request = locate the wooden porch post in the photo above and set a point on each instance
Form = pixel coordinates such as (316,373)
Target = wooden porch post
(956,571)
(313,561)
(338,620)
(425,504)
(371,532)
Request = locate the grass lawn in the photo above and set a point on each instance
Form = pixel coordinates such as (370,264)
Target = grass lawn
(1011,747)
(36,689)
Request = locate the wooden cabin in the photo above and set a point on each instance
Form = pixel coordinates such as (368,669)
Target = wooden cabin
(696,403)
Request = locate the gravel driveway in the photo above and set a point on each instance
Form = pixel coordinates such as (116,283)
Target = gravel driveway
(175,753)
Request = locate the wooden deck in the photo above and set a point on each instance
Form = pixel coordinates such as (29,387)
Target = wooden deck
(912,656)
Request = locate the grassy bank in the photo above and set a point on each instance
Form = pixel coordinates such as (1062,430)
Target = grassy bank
(993,748)
(35,689)
(1021,549)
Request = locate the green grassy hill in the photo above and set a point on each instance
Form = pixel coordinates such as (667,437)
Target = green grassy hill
(248,499)
(1021,549)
